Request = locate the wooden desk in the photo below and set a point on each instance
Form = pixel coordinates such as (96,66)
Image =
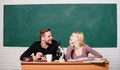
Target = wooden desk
(64,66)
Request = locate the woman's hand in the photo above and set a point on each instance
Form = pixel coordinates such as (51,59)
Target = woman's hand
(71,43)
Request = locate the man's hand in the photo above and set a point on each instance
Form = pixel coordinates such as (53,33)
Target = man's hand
(43,58)
(37,56)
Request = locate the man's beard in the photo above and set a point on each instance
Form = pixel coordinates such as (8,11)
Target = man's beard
(48,43)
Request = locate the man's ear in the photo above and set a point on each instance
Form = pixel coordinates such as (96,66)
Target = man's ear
(42,38)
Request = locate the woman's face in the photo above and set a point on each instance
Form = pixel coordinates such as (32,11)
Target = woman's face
(73,39)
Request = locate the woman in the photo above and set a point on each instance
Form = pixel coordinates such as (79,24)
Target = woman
(78,48)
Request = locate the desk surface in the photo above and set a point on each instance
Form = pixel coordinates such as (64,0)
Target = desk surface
(60,63)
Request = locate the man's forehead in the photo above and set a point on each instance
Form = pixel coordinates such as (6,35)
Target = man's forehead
(48,33)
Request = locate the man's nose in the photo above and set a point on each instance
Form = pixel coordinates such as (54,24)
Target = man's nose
(51,37)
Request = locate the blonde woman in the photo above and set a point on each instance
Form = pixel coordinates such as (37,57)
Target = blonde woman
(78,48)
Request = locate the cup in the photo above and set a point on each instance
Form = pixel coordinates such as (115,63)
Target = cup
(49,57)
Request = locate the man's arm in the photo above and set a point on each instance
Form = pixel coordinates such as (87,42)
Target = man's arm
(27,53)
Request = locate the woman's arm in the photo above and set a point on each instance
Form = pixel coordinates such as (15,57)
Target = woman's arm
(92,51)
(69,52)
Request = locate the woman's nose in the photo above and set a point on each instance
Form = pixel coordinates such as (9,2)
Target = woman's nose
(70,37)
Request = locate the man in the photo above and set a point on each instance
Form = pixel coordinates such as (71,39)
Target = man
(39,49)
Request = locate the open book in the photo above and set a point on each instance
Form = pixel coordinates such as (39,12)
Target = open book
(82,59)
(96,61)
(87,59)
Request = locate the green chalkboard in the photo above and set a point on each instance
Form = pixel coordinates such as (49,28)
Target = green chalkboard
(98,22)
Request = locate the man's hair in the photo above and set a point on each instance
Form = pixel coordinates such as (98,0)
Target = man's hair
(43,31)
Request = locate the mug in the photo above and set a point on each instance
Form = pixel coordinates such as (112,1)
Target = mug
(49,57)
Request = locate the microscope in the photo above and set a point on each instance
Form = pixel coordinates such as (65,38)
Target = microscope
(60,53)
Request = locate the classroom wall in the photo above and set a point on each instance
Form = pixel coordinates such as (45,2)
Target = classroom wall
(9,56)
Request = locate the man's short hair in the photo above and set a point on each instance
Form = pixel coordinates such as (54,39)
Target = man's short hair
(43,31)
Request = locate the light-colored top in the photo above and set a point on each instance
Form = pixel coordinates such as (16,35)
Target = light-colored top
(85,51)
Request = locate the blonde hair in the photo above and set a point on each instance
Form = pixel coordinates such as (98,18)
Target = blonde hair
(80,37)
